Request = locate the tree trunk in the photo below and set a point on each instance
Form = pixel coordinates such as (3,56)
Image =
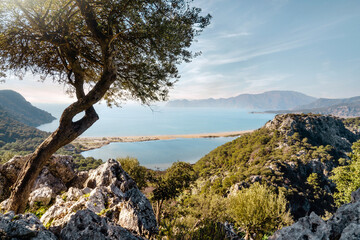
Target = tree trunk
(65,134)
(158,210)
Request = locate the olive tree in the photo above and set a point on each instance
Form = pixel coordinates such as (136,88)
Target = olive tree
(100,49)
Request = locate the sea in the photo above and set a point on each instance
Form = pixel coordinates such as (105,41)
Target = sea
(137,120)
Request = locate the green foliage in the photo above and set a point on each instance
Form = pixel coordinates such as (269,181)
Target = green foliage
(143,41)
(347,178)
(85,164)
(13,131)
(178,177)
(139,173)
(38,209)
(194,216)
(314,181)
(258,210)
(352,123)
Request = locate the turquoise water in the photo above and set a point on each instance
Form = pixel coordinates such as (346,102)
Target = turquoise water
(142,121)
(160,154)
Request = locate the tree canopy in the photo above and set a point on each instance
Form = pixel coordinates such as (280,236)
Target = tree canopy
(142,40)
(100,49)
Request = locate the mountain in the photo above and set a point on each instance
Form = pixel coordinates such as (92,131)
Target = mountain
(328,102)
(349,107)
(21,110)
(272,100)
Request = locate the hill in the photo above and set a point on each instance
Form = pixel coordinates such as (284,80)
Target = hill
(272,100)
(328,102)
(21,110)
(17,137)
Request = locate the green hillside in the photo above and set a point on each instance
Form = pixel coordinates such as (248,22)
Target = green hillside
(293,155)
(19,109)
(284,153)
(16,137)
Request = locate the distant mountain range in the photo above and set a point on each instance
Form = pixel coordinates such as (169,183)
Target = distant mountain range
(21,110)
(272,100)
(342,107)
(281,102)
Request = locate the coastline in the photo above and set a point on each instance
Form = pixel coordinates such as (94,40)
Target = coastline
(89,143)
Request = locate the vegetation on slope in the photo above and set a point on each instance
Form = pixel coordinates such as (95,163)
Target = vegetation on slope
(353,124)
(347,178)
(21,110)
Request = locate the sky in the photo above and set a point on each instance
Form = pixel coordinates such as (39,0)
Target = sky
(310,46)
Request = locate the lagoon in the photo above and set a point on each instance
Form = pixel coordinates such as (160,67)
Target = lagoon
(135,120)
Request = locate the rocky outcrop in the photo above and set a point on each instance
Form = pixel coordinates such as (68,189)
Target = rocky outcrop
(343,225)
(26,226)
(55,177)
(85,224)
(106,194)
(110,192)
(318,129)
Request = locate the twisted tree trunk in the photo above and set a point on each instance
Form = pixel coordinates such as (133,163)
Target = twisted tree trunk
(35,163)
(65,134)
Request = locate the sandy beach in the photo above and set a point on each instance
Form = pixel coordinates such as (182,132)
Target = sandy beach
(88,143)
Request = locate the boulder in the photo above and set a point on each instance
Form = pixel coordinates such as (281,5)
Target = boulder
(57,174)
(20,226)
(109,191)
(42,196)
(85,224)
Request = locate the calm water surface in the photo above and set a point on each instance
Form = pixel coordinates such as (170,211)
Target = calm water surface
(134,120)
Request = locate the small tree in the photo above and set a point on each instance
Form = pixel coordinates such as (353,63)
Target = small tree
(99,49)
(178,177)
(258,210)
(347,178)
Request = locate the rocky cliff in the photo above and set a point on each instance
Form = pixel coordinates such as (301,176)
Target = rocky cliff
(104,203)
(343,225)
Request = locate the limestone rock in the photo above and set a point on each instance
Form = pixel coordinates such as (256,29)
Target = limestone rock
(344,224)
(311,227)
(318,129)
(108,191)
(57,174)
(41,195)
(85,224)
(25,226)
(355,196)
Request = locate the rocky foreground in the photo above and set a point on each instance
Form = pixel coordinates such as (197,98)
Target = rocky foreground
(343,225)
(104,203)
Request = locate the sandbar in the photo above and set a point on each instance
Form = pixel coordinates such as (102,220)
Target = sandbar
(88,143)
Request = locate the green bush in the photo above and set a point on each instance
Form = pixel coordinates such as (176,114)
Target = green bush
(347,178)
(258,210)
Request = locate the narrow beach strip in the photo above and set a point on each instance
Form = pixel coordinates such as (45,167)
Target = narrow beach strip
(88,143)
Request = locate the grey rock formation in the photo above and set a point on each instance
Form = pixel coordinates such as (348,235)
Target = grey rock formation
(106,199)
(20,226)
(56,175)
(109,191)
(344,224)
(85,224)
(318,129)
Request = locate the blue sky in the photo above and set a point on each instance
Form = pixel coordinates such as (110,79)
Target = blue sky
(311,46)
